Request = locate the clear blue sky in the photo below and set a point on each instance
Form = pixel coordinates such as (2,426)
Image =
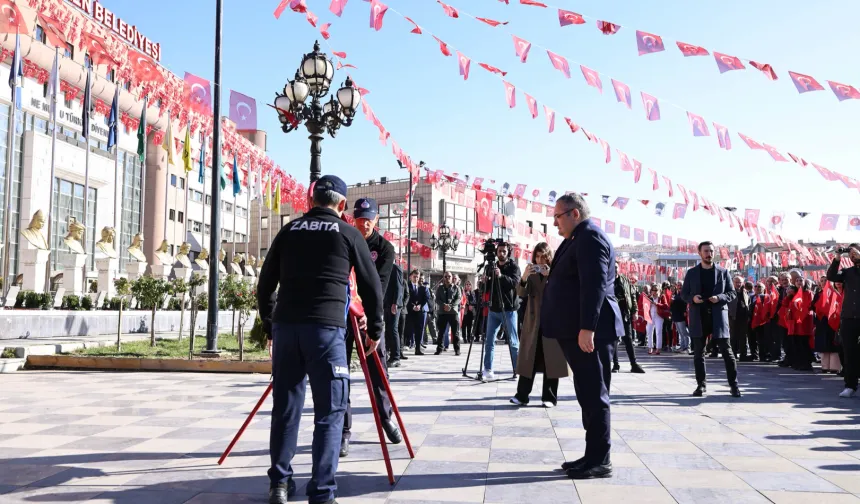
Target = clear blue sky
(466,127)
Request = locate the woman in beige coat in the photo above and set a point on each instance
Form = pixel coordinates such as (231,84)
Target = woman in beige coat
(537,354)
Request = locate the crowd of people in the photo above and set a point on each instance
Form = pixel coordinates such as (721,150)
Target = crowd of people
(563,314)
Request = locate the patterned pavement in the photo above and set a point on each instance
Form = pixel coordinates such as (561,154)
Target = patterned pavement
(110,437)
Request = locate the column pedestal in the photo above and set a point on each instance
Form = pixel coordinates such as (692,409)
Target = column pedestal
(107,268)
(161,271)
(33,263)
(183,273)
(73,273)
(135,270)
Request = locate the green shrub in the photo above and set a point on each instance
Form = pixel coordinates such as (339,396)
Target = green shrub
(71,302)
(257,336)
(94,286)
(47,301)
(21,299)
(203,301)
(86,303)
(174,305)
(113,304)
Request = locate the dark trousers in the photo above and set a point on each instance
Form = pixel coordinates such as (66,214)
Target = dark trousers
(383,403)
(798,353)
(773,344)
(451,320)
(468,322)
(728,357)
(738,329)
(316,351)
(415,328)
(392,334)
(628,345)
(549,391)
(849,331)
(401,327)
(755,337)
(592,373)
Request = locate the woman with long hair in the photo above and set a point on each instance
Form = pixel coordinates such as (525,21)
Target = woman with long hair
(800,327)
(825,336)
(657,306)
(537,354)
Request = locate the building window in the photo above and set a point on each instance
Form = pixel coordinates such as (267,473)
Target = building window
(462,219)
(208,200)
(285,219)
(172,214)
(181,218)
(227,207)
(127,86)
(173,180)
(544,228)
(181,182)
(226,235)
(530,224)
(111,75)
(17,158)
(40,34)
(195,226)
(264,223)
(68,202)
(69,52)
(391,218)
(158,103)
(207,229)
(131,168)
(86,60)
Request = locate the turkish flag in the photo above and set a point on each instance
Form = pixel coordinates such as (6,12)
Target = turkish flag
(465,62)
(510,94)
(491,68)
(324,31)
(652,107)
(550,118)
(520,190)
(243,111)
(668,182)
(752,215)
(723,136)
(680,211)
(750,142)
(532,2)
(700,127)
(336,7)
(692,50)
(620,203)
(11,20)
(638,234)
(491,22)
(695,201)
(667,241)
(53,30)
(827,174)
(198,93)
(96,47)
(648,43)
(652,238)
(622,92)
(610,227)
(572,125)
(844,91)
(625,231)
(608,28)
(637,171)
(805,83)
(144,68)
(443,46)
(521,47)
(532,104)
(654,183)
(566,18)
(592,78)
(728,63)
(765,69)
(828,222)
(684,193)
(606,153)
(774,153)
(416,29)
(450,11)
(559,63)
(377,12)
(625,161)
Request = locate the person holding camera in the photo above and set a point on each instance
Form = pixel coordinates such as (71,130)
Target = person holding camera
(503,307)
(708,290)
(849,327)
(537,354)
(449,298)
(312,257)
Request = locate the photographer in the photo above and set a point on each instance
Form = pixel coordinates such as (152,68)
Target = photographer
(849,329)
(449,297)
(503,306)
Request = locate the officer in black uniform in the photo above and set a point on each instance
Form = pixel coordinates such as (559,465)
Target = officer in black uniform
(311,258)
(366,214)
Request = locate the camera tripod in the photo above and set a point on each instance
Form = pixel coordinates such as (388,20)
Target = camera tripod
(491,287)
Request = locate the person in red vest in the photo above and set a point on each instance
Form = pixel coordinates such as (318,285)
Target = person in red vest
(800,327)
(834,319)
(759,303)
(824,334)
(643,321)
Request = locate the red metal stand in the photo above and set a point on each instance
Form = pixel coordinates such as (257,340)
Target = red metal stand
(362,357)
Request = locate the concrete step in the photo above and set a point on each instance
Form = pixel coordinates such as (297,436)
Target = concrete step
(11,365)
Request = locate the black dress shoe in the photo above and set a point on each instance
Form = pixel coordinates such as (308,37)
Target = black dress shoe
(701,390)
(344,447)
(636,368)
(438,351)
(574,465)
(783,363)
(280,493)
(403,357)
(736,392)
(616,368)
(457,351)
(418,351)
(392,431)
(591,472)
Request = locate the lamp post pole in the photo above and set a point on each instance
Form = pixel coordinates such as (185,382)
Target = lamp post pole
(444,243)
(313,78)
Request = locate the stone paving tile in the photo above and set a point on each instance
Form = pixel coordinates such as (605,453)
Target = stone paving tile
(154,437)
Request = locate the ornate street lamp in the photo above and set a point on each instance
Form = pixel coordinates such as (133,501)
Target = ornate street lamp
(445,243)
(313,78)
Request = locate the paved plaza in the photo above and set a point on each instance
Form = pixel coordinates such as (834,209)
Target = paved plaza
(110,437)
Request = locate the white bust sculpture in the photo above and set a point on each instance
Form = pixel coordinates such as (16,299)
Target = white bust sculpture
(74,237)
(33,232)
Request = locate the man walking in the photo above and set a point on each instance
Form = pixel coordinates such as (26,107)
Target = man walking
(627,304)
(580,311)
(416,311)
(311,259)
(393,310)
(708,291)
(448,301)
(739,319)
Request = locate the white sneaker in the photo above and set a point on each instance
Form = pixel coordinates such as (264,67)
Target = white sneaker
(548,405)
(847,393)
(489,375)
(516,401)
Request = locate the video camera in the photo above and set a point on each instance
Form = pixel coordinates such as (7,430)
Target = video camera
(490,247)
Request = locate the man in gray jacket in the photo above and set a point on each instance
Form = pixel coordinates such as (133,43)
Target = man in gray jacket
(448,297)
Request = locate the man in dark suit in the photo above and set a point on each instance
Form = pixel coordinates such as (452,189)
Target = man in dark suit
(739,319)
(416,311)
(708,291)
(393,306)
(581,312)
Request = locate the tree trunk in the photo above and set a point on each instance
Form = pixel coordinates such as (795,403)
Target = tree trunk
(241,339)
(119,326)
(181,315)
(193,323)
(152,327)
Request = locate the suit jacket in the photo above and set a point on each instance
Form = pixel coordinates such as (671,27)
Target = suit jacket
(580,290)
(419,296)
(723,289)
(739,307)
(394,292)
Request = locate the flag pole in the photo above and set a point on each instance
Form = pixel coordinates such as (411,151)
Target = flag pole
(117,182)
(86,121)
(259,213)
(248,218)
(214,240)
(143,169)
(55,78)
(10,150)
(167,181)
